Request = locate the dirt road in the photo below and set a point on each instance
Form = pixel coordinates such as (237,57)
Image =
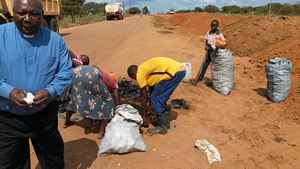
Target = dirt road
(249,131)
(114,45)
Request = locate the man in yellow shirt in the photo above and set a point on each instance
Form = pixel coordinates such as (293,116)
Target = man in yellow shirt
(160,75)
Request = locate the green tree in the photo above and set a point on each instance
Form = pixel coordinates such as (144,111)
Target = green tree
(145,10)
(261,10)
(211,9)
(94,8)
(275,8)
(72,8)
(286,9)
(134,10)
(297,9)
(231,9)
(198,9)
(247,10)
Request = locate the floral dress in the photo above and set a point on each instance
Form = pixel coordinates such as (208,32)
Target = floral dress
(89,95)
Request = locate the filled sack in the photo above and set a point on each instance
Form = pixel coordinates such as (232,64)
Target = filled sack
(122,134)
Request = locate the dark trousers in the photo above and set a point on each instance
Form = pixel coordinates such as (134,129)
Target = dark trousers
(162,92)
(42,129)
(210,55)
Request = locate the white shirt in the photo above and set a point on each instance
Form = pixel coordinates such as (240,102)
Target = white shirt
(212,37)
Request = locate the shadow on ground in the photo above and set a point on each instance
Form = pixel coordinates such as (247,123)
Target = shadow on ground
(79,153)
(65,34)
(78,157)
(261,92)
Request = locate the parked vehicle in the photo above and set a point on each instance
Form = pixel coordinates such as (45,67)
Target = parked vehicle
(114,10)
(171,11)
(51,12)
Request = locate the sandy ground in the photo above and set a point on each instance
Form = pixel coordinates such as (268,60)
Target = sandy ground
(250,131)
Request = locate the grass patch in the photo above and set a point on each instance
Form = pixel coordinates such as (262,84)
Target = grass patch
(66,22)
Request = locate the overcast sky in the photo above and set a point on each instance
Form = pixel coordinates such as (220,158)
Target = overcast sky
(165,5)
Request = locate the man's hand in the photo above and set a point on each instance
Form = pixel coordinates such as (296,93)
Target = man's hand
(17,97)
(41,97)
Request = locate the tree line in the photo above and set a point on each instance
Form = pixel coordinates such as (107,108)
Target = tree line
(274,8)
(78,8)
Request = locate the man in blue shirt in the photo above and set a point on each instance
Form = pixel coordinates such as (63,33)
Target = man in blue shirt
(32,60)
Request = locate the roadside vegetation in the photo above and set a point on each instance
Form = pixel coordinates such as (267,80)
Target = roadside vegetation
(269,9)
(79,12)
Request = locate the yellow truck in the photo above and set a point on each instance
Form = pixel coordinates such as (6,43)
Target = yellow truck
(51,12)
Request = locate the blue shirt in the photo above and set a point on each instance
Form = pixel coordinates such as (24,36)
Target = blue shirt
(32,64)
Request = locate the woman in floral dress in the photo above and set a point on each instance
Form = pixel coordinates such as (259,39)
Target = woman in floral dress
(90,96)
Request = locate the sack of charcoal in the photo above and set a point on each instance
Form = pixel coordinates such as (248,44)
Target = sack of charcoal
(223,71)
(279,78)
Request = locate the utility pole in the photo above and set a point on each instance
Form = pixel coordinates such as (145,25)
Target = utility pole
(270,7)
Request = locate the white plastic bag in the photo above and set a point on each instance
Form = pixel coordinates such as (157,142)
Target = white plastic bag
(122,134)
(211,151)
(188,73)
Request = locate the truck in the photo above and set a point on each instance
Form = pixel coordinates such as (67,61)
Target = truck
(114,10)
(51,12)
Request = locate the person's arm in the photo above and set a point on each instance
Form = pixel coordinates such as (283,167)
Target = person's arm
(145,104)
(116,97)
(61,80)
(142,82)
(221,41)
(205,38)
(16,96)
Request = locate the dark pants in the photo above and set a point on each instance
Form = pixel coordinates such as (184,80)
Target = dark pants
(162,92)
(42,129)
(210,55)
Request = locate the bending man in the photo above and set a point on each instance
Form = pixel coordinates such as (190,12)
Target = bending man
(160,76)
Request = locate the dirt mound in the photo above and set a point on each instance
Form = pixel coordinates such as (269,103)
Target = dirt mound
(255,34)
(199,23)
(257,37)
(246,35)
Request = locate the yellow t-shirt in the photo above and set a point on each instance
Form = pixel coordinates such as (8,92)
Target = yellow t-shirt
(154,70)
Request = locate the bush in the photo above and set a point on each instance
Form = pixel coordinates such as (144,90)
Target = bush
(184,11)
(134,10)
(231,9)
(198,9)
(211,9)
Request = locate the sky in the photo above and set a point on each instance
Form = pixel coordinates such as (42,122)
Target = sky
(165,5)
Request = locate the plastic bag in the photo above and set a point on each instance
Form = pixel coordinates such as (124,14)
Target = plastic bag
(279,78)
(122,134)
(211,151)
(223,72)
(188,74)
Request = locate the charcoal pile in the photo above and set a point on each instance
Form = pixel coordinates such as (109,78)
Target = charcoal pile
(179,104)
(128,89)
